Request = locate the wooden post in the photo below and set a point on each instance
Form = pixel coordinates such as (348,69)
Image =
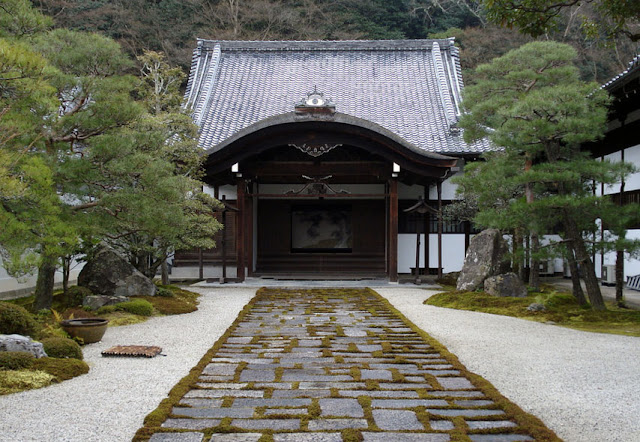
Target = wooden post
(427,231)
(223,278)
(393,230)
(418,250)
(439,188)
(249,234)
(200,263)
(240,227)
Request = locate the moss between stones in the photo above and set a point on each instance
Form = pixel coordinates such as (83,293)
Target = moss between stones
(529,423)
(154,420)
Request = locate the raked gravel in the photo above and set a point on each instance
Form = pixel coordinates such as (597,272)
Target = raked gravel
(584,386)
(110,402)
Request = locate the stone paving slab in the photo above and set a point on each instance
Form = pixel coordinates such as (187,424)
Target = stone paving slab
(327,364)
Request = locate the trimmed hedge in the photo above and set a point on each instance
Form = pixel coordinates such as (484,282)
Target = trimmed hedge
(15,360)
(15,319)
(62,348)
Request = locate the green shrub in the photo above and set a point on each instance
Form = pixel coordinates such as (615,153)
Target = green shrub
(136,307)
(17,320)
(76,294)
(15,360)
(61,369)
(62,348)
(164,292)
(107,309)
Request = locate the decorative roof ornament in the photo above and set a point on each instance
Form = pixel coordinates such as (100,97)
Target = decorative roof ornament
(315,103)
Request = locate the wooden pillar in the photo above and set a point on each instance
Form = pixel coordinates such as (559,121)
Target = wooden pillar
(467,235)
(223,278)
(240,229)
(249,235)
(427,231)
(393,230)
(439,188)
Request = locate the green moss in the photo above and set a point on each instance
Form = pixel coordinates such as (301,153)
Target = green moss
(15,319)
(136,306)
(15,360)
(61,369)
(561,309)
(62,348)
(351,435)
(75,295)
(14,381)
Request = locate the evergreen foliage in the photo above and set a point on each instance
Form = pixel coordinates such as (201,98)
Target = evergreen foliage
(17,320)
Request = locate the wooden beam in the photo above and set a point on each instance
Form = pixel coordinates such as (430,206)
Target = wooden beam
(336,168)
(393,230)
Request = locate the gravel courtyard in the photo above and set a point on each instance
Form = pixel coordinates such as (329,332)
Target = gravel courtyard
(582,385)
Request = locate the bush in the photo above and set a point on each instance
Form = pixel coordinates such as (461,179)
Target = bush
(62,348)
(164,292)
(136,307)
(61,369)
(17,320)
(76,294)
(15,360)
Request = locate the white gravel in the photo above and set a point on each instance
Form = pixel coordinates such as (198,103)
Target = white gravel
(583,385)
(110,402)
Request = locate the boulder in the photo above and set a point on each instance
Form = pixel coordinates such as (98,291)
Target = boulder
(21,343)
(485,257)
(94,302)
(536,307)
(109,274)
(505,285)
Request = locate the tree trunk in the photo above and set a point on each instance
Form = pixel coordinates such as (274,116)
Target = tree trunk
(534,274)
(165,272)
(66,271)
(44,286)
(620,278)
(518,253)
(575,276)
(583,259)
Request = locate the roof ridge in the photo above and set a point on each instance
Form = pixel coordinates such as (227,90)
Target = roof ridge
(324,45)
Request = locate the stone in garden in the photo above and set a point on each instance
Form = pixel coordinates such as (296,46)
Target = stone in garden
(536,307)
(109,274)
(505,285)
(21,343)
(94,302)
(485,257)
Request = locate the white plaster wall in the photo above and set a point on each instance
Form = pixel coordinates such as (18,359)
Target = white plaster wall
(448,189)
(27,283)
(230,192)
(631,265)
(452,252)
(632,155)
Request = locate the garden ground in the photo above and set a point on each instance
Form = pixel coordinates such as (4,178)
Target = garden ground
(578,383)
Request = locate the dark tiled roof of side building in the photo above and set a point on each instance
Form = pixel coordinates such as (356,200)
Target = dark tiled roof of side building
(634,68)
(409,87)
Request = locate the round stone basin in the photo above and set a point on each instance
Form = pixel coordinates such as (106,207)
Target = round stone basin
(89,329)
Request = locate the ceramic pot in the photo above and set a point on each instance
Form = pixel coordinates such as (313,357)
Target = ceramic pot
(89,329)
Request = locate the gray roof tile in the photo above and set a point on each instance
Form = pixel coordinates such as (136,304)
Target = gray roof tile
(410,87)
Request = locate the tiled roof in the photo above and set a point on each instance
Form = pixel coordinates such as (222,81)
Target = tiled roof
(634,66)
(410,87)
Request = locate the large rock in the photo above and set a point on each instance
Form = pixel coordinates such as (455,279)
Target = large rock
(485,257)
(109,274)
(505,285)
(21,343)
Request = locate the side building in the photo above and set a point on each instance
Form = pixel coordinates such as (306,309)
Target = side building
(622,143)
(316,148)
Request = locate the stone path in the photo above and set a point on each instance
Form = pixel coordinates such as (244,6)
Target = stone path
(333,365)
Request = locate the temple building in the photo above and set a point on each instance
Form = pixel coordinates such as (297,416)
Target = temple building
(316,148)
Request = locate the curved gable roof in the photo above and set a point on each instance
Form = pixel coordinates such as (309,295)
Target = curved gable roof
(408,87)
